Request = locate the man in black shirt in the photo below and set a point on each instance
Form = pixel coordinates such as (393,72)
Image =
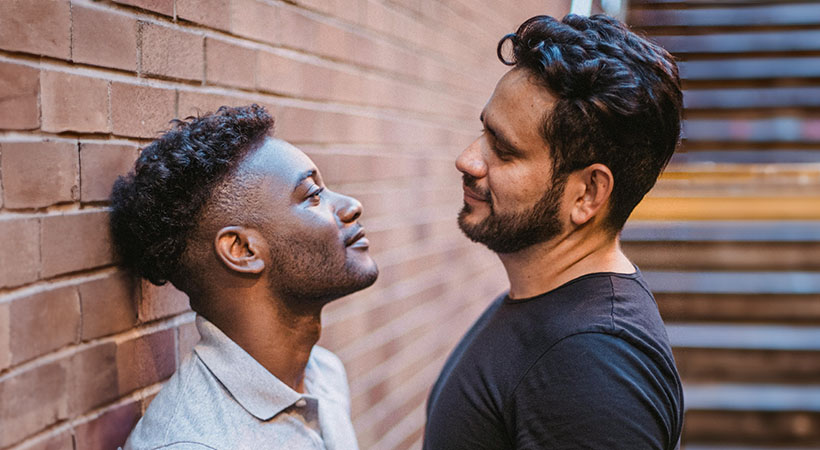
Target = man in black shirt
(575,355)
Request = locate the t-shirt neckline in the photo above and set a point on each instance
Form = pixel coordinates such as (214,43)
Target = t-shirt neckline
(629,276)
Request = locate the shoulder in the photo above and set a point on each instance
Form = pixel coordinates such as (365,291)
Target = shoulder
(326,361)
(594,379)
(590,356)
(329,373)
(183,409)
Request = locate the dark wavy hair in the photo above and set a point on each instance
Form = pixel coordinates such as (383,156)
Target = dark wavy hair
(618,102)
(155,208)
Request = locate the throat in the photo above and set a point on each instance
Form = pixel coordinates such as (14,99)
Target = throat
(543,267)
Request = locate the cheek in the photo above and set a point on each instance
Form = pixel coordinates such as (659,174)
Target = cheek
(518,185)
(317,224)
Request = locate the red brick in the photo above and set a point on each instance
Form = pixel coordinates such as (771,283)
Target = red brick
(282,75)
(171,53)
(75,241)
(32,400)
(108,305)
(74,103)
(212,13)
(157,302)
(145,360)
(188,337)
(104,38)
(302,125)
(53,164)
(19,89)
(165,7)
(229,64)
(100,165)
(19,251)
(196,103)
(305,31)
(254,19)
(93,378)
(5,338)
(141,111)
(60,440)
(348,10)
(108,430)
(42,27)
(43,322)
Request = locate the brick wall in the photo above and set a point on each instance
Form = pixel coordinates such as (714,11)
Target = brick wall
(383,94)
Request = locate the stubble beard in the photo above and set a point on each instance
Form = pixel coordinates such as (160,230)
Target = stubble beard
(309,273)
(511,232)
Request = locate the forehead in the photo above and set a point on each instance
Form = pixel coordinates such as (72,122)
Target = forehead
(278,161)
(518,106)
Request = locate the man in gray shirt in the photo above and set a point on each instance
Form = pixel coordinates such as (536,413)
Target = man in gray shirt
(243,224)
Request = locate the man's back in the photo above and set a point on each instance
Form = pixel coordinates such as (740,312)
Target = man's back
(586,365)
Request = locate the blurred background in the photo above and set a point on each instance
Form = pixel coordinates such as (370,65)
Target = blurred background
(383,94)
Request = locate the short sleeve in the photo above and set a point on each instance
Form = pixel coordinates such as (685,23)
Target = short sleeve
(595,391)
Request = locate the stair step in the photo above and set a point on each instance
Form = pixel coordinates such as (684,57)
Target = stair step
(734,282)
(739,16)
(750,69)
(727,3)
(747,98)
(746,354)
(755,337)
(729,231)
(752,397)
(729,206)
(740,308)
(733,365)
(766,246)
(759,415)
(742,42)
(775,129)
(750,156)
(760,257)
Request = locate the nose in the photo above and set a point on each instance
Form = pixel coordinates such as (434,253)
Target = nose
(349,209)
(471,160)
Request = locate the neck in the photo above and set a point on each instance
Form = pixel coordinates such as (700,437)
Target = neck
(543,267)
(279,338)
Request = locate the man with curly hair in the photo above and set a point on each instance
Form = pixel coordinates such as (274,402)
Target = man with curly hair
(243,224)
(574,355)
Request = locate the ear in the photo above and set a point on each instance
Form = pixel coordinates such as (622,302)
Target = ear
(593,188)
(241,249)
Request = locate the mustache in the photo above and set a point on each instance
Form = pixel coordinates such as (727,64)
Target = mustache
(471,184)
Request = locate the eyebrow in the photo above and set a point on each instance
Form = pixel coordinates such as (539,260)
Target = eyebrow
(304,176)
(500,137)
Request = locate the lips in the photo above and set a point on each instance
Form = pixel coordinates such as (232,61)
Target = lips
(474,195)
(357,238)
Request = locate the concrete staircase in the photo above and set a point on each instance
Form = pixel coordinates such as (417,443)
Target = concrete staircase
(729,240)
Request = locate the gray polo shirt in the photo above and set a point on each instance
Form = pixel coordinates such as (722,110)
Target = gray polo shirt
(222,398)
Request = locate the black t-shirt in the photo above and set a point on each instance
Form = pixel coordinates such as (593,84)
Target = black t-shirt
(584,366)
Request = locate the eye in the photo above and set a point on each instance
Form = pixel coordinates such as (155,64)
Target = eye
(314,195)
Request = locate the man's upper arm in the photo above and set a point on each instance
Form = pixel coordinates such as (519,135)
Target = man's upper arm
(595,391)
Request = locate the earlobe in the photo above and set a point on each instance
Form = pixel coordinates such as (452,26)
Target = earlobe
(240,249)
(595,183)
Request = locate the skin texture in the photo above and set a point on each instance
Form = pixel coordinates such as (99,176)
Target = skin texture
(273,262)
(508,174)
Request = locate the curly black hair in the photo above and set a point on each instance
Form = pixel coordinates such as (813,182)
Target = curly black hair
(619,100)
(156,207)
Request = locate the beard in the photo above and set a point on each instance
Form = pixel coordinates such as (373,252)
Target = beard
(312,272)
(514,231)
